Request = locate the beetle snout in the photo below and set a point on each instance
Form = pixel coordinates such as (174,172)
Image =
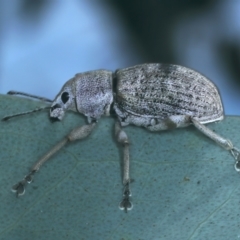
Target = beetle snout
(55,107)
(54,119)
(56,112)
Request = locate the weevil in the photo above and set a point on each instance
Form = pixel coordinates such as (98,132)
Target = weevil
(155,96)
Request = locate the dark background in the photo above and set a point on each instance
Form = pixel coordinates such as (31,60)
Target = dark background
(44,43)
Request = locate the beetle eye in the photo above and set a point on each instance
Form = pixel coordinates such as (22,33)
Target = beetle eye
(65,97)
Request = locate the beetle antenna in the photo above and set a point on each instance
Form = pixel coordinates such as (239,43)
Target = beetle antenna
(29,95)
(24,113)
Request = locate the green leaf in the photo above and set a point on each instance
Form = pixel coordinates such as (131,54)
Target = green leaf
(185,186)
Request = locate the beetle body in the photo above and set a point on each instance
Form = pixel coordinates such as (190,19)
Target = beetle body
(155,96)
(164,96)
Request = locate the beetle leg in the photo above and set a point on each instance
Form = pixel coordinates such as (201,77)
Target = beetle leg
(123,139)
(225,143)
(75,134)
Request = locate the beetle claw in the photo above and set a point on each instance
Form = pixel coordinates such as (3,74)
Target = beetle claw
(19,188)
(126,204)
(236,154)
(237,166)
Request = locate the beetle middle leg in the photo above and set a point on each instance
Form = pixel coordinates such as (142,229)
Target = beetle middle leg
(76,134)
(123,139)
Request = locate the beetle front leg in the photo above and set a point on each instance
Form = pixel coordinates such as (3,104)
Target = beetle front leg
(123,139)
(75,134)
(225,143)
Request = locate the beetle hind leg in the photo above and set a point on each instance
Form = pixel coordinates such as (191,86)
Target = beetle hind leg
(225,143)
(172,122)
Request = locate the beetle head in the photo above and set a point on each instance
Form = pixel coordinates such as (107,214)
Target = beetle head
(63,101)
(89,93)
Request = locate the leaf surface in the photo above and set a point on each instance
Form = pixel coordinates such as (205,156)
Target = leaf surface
(185,186)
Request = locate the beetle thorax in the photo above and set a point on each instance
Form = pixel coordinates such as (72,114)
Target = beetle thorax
(94,93)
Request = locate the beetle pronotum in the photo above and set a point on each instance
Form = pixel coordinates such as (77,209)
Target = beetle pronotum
(155,96)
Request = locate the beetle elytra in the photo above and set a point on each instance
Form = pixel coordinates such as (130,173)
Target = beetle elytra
(155,96)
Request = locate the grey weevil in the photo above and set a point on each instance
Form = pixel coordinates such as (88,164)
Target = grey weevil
(155,96)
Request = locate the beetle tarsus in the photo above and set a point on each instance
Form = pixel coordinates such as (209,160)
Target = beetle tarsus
(126,204)
(237,164)
(19,188)
(28,178)
(236,154)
